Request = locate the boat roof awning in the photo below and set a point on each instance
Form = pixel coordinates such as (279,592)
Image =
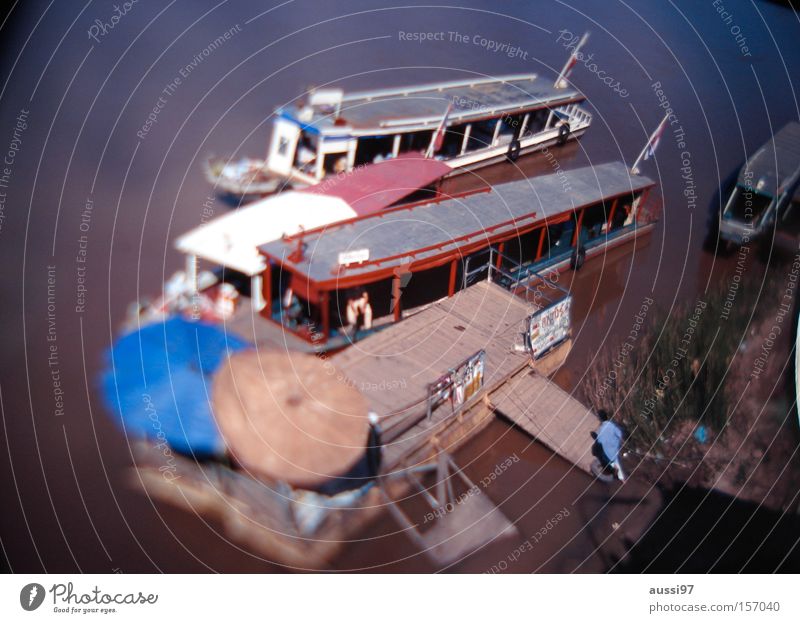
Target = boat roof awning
(232,240)
(423,233)
(396,109)
(775,164)
(377,186)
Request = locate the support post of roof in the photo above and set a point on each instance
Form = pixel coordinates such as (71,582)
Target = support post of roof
(497,130)
(577,235)
(524,125)
(611,213)
(326,314)
(451,288)
(396,145)
(464,142)
(637,207)
(267,289)
(320,169)
(256,293)
(191,272)
(397,292)
(541,243)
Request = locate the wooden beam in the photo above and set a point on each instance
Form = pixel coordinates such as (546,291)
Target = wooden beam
(578,228)
(396,293)
(266,290)
(451,288)
(611,213)
(541,244)
(326,314)
(642,201)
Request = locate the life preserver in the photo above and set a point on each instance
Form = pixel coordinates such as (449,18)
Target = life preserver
(563,133)
(578,258)
(514,149)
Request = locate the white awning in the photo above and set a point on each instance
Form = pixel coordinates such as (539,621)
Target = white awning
(232,240)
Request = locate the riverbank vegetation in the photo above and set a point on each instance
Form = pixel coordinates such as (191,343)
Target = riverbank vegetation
(702,391)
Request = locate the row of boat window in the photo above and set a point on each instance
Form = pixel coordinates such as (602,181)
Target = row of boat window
(535,249)
(479,135)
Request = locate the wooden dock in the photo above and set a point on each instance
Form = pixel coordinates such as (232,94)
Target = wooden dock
(549,414)
(393,368)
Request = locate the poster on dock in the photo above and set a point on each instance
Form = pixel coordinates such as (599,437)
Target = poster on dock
(548,327)
(459,385)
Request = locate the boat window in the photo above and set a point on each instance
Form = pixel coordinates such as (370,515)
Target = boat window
(335,163)
(424,287)
(536,121)
(558,239)
(451,146)
(380,300)
(594,222)
(622,213)
(481,135)
(374,149)
(522,250)
(747,205)
(306,153)
(416,141)
(510,126)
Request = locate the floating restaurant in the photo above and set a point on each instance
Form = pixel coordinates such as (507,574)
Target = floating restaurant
(312,456)
(335,280)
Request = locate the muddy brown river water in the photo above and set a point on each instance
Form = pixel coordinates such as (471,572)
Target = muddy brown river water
(93,194)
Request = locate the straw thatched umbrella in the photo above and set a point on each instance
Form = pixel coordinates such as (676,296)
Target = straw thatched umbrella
(289,416)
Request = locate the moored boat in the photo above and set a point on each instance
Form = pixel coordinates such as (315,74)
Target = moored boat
(473,279)
(763,196)
(465,123)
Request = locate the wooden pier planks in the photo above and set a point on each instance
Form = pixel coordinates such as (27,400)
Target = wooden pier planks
(400,362)
(548,413)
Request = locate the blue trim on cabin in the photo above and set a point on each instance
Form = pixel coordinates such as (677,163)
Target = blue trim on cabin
(305,127)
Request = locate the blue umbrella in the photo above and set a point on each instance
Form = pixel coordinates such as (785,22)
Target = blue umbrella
(157,383)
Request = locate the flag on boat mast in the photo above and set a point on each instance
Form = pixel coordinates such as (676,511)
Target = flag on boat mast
(561,81)
(438,136)
(652,143)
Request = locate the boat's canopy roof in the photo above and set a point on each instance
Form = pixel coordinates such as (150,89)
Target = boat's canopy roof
(233,239)
(775,164)
(373,187)
(418,107)
(399,238)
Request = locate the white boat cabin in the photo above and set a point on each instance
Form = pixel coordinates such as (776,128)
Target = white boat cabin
(489,120)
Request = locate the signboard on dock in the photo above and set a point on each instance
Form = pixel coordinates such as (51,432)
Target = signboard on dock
(548,326)
(459,384)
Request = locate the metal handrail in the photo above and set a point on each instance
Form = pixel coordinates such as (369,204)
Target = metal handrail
(519,282)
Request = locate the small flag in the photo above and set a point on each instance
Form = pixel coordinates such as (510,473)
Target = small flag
(438,136)
(651,146)
(561,81)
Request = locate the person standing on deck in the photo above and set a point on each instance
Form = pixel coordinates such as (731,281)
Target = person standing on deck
(608,444)
(359,313)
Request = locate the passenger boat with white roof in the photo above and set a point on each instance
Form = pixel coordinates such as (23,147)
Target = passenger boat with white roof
(466,123)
